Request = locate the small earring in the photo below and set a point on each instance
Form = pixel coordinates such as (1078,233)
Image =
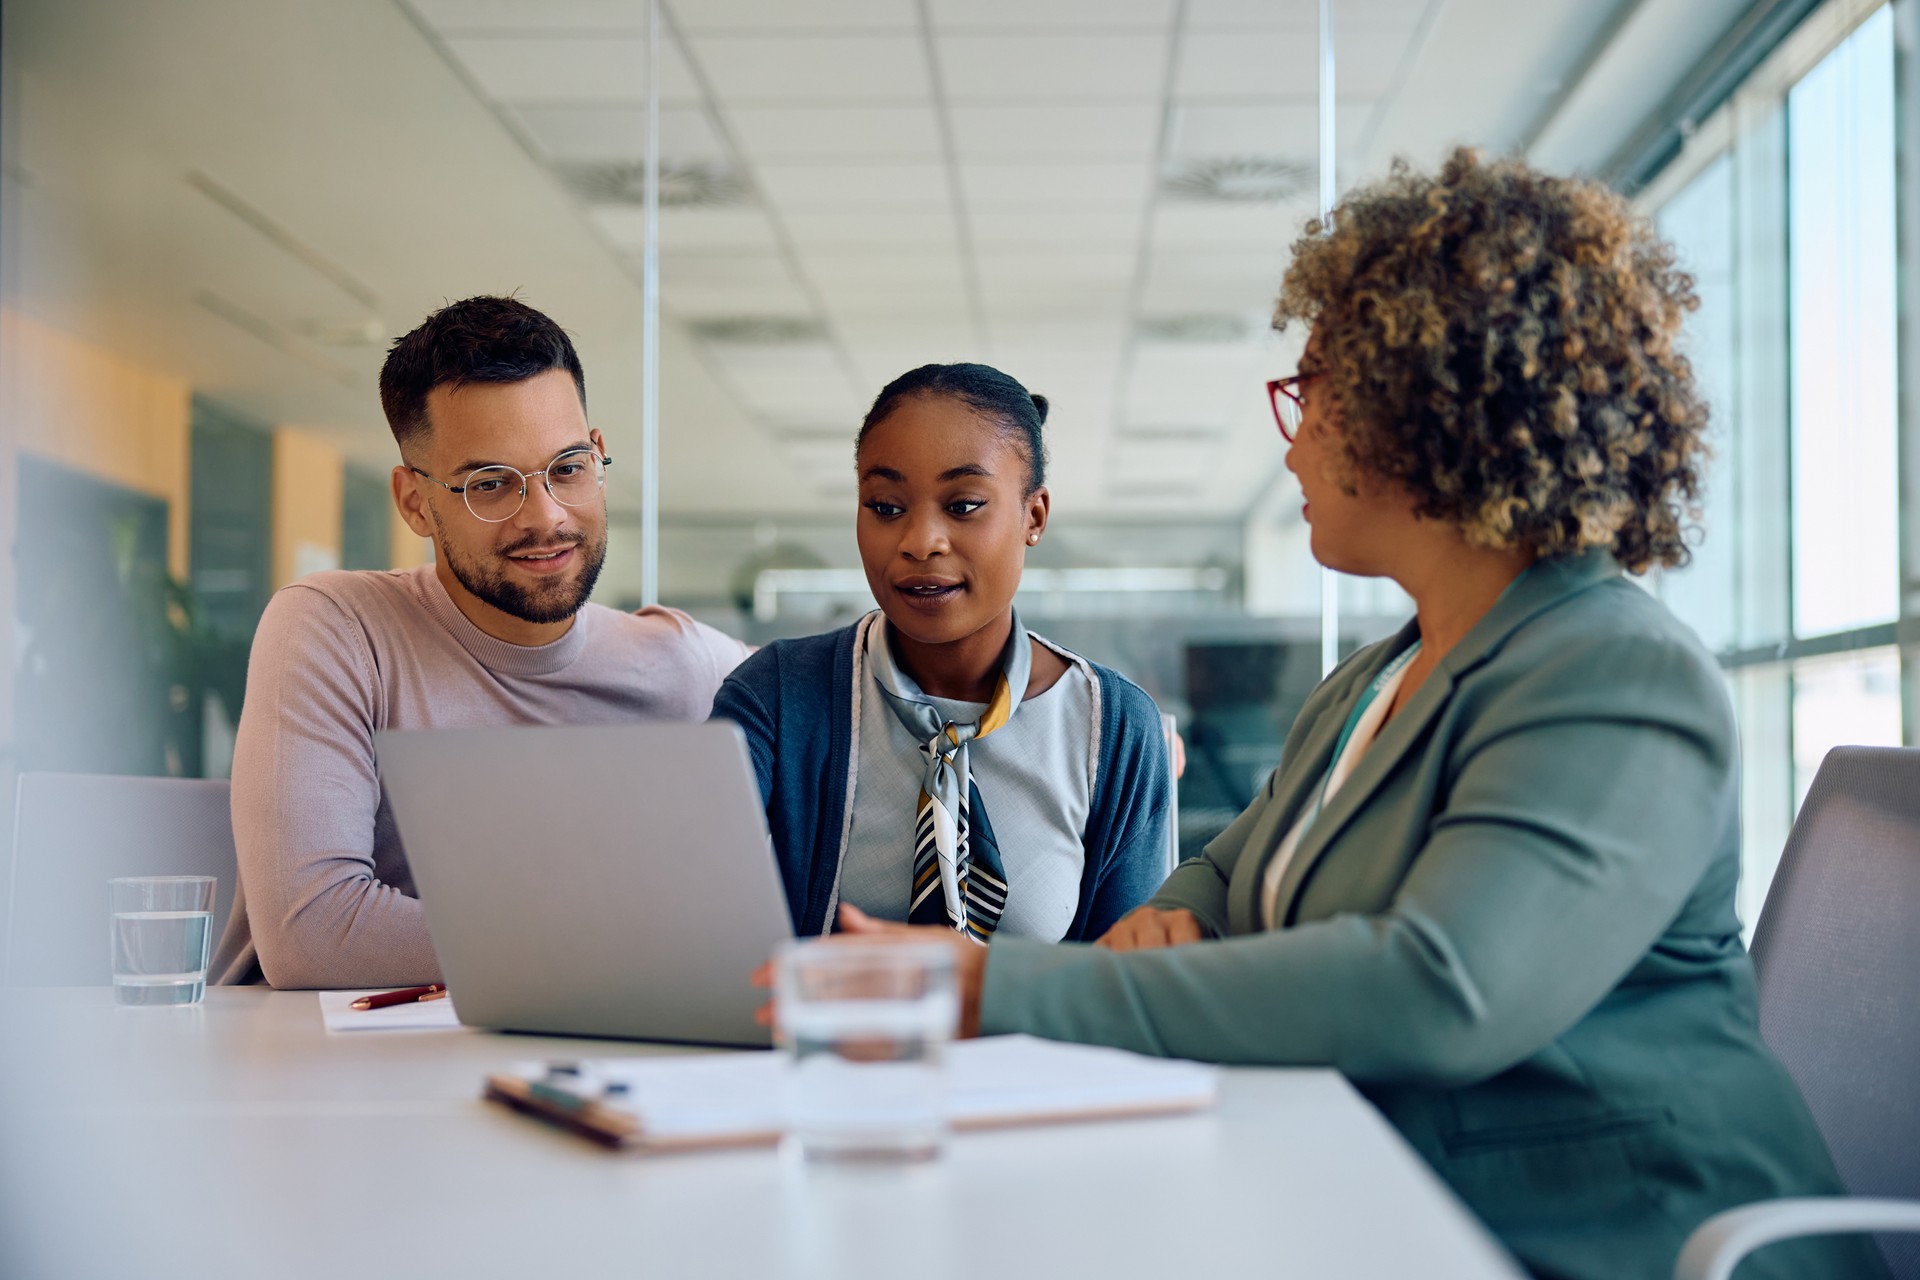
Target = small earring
(1032,538)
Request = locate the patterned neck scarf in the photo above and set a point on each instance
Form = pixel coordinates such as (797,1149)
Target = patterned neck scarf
(958,878)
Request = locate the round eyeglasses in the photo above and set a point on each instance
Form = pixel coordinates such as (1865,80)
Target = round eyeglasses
(1288,406)
(495,493)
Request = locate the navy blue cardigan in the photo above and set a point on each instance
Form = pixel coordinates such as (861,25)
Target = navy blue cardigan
(794,700)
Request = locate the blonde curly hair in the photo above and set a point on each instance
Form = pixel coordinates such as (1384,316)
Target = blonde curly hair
(1504,345)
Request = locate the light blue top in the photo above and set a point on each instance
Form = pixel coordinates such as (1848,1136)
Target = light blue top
(1034,776)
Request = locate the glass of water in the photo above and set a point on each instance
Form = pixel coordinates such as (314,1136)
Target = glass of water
(866,1026)
(162,938)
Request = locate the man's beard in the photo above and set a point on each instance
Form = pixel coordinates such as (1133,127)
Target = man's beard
(553,602)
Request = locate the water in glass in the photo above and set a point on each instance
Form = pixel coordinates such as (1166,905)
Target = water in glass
(868,1035)
(162,934)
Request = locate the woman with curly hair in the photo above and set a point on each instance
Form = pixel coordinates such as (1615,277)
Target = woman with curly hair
(1492,880)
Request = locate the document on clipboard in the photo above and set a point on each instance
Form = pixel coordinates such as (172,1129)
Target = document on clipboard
(719,1100)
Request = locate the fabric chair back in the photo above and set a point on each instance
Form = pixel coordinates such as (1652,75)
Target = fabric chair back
(73,832)
(1837,951)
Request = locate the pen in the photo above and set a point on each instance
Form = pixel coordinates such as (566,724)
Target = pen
(406,995)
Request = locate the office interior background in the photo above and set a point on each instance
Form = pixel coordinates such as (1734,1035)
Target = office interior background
(218,213)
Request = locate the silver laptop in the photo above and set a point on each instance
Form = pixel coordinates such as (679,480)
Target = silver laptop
(605,880)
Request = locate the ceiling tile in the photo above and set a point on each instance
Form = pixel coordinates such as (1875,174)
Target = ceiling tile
(897,229)
(1069,340)
(1105,186)
(855,187)
(730,285)
(957,15)
(1091,229)
(881,300)
(1302,18)
(1097,65)
(1056,131)
(922,332)
(819,69)
(758,16)
(1173,389)
(1030,301)
(1277,63)
(682,230)
(1290,129)
(1043,272)
(897,132)
(531,15)
(703,269)
(904,273)
(1268,227)
(687,135)
(577,69)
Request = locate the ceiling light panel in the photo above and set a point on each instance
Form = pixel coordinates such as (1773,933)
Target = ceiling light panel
(532,15)
(598,69)
(817,69)
(903,229)
(1053,66)
(1058,186)
(855,187)
(837,133)
(1056,131)
(687,135)
(754,16)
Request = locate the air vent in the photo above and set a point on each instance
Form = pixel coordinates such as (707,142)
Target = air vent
(1242,180)
(759,331)
(1194,329)
(622,182)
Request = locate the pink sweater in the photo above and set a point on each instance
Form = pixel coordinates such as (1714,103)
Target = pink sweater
(325,898)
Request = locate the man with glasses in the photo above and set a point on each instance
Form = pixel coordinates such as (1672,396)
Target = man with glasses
(499,468)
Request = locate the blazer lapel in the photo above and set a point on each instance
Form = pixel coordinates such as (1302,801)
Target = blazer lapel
(1541,587)
(1293,787)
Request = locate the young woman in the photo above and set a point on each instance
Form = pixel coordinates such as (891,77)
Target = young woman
(936,762)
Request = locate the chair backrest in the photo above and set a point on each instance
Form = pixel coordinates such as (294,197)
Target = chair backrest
(1837,951)
(72,832)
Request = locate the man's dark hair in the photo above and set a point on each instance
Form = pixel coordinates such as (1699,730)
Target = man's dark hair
(1017,412)
(481,339)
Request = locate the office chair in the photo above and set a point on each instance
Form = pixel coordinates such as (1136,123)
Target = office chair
(72,832)
(1837,954)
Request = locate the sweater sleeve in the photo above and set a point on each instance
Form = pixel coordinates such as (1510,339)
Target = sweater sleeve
(740,700)
(305,792)
(1571,837)
(1136,787)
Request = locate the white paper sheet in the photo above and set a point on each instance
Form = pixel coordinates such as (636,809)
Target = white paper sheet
(1002,1080)
(336,1009)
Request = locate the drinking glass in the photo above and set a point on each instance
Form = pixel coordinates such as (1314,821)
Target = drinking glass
(162,938)
(866,1026)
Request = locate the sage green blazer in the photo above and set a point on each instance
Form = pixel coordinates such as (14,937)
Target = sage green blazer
(1513,929)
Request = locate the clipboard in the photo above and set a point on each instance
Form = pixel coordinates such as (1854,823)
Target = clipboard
(713,1101)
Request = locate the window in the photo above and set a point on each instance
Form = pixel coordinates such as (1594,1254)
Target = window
(1784,210)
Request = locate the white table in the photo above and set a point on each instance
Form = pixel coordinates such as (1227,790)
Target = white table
(239,1139)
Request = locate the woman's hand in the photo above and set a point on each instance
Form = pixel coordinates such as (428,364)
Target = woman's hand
(969,960)
(1145,928)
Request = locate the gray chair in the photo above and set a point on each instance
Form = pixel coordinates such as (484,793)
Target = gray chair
(72,832)
(1837,952)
